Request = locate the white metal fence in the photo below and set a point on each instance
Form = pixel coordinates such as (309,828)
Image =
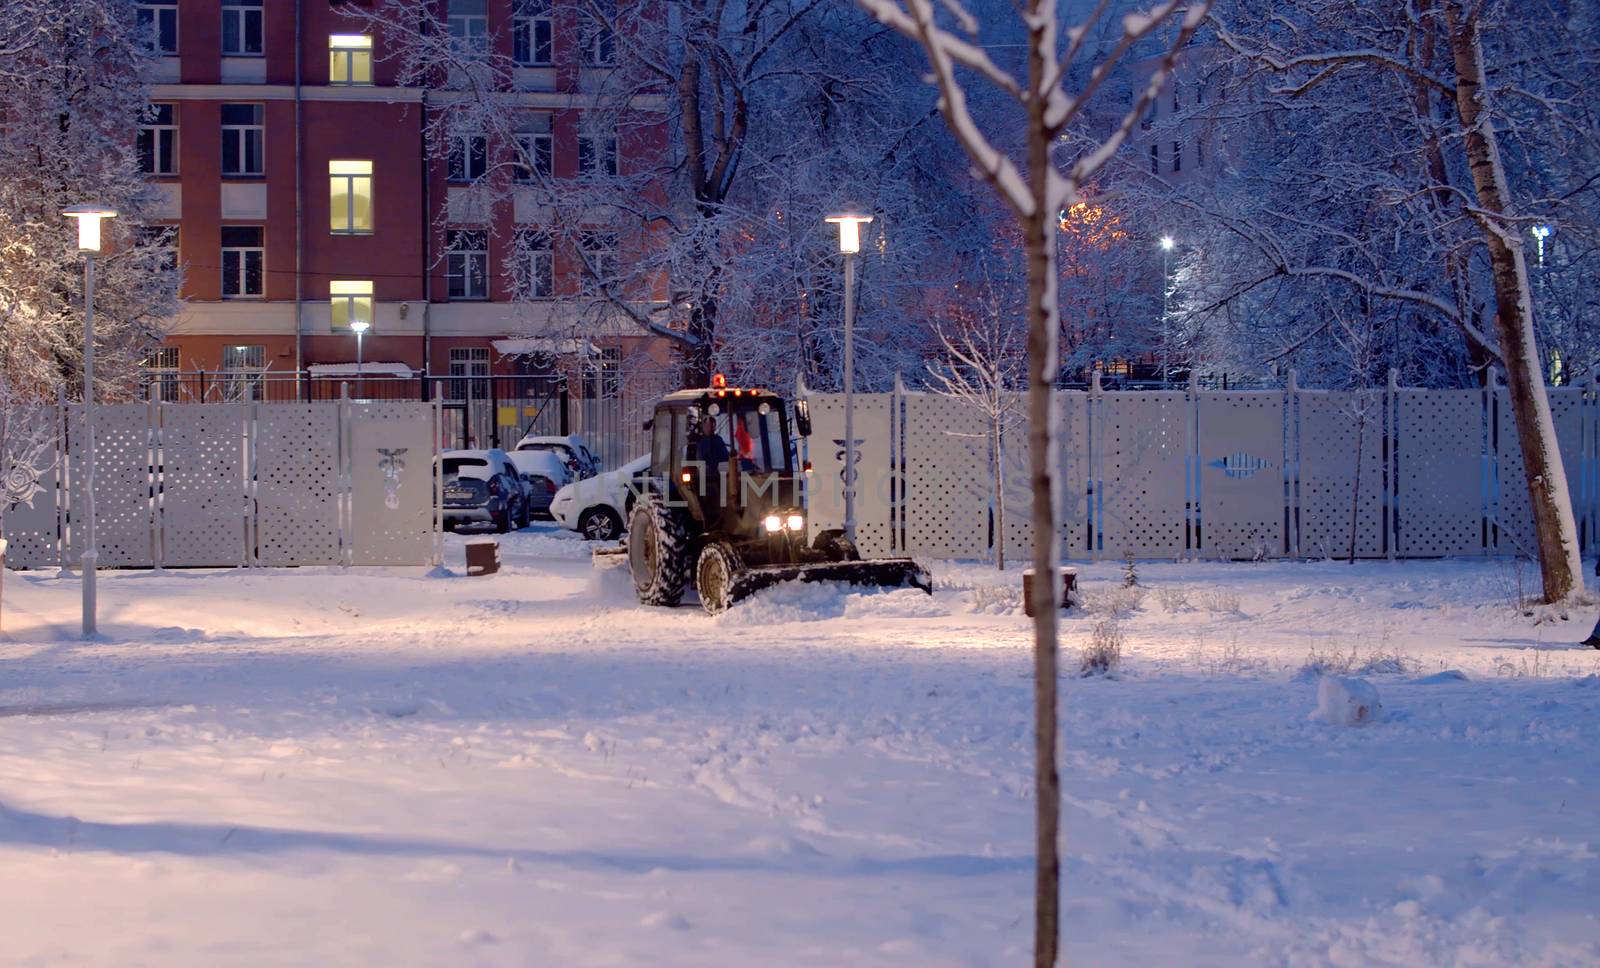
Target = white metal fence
(1169,474)
(239,484)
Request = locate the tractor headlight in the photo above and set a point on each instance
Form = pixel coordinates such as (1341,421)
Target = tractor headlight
(773,524)
(796,522)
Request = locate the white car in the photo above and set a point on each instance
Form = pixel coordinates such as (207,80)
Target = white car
(571,449)
(598,507)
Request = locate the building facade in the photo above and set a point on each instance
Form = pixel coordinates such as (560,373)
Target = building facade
(300,197)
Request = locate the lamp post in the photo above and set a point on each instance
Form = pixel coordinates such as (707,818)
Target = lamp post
(850,245)
(88,218)
(1166,309)
(359,327)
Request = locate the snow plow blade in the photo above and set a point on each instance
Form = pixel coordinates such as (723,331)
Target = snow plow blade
(884,572)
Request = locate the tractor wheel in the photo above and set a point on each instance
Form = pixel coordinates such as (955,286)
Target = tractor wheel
(719,566)
(658,552)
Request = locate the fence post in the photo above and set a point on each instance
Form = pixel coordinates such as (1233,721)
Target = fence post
(438,484)
(1291,464)
(158,482)
(1096,486)
(1391,468)
(1194,519)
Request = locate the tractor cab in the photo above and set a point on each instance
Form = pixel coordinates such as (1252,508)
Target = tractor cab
(724,512)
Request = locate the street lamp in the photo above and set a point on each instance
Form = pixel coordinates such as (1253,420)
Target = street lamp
(88,218)
(1540,233)
(850,245)
(1166,308)
(359,327)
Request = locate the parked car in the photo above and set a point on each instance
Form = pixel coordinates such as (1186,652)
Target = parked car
(571,449)
(483,487)
(543,474)
(598,507)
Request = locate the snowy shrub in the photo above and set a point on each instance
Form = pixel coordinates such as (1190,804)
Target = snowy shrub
(1102,653)
(1118,601)
(1346,702)
(1217,600)
(1173,599)
(1130,573)
(996,599)
(1379,662)
(1518,588)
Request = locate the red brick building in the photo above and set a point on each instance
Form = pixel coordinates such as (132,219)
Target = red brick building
(303,196)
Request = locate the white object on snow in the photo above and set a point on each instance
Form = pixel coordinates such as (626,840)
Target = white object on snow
(1346,701)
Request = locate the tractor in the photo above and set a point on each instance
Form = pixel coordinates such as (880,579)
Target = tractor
(721,506)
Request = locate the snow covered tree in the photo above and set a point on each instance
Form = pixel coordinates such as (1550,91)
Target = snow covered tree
(1036,182)
(70,91)
(1480,108)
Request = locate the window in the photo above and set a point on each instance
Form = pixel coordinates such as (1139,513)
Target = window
(352,302)
(1176,101)
(466,264)
(241,28)
(242,261)
(1155,160)
(469,26)
(469,361)
(531,28)
(350,197)
(538,148)
(597,154)
(158,141)
(469,157)
(598,43)
(161,374)
(243,130)
(243,367)
(602,376)
(1177,156)
(349,59)
(1199,153)
(159,24)
(164,238)
(538,263)
(600,260)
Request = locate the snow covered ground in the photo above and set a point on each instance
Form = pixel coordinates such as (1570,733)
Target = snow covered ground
(391,767)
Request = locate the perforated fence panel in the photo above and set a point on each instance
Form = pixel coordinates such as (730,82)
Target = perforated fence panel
(124,486)
(1141,445)
(33,522)
(1072,455)
(1334,429)
(1513,518)
(1241,492)
(201,506)
(1016,453)
(948,481)
(876,482)
(296,486)
(1440,472)
(390,461)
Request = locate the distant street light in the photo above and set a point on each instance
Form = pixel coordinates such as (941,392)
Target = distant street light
(1166,308)
(88,218)
(1540,233)
(850,245)
(359,327)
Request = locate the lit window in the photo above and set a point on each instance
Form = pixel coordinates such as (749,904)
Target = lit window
(466,264)
(242,34)
(350,197)
(469,27)
(158,141)
(351,302)
(531,30)
(349,59)
(159,24)
(468,157)
(243,132)
(243,256)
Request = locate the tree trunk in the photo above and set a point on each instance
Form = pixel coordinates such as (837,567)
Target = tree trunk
(1556,532)
(1039,228)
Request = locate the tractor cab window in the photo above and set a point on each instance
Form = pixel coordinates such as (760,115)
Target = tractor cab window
(758,441)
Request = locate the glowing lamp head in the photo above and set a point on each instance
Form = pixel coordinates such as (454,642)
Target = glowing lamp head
(360,326)
(1542,232)
(88,217)
(1167,243)
(849,231)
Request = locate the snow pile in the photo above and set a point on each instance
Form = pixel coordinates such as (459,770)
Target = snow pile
(798,601)
(1343,701)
